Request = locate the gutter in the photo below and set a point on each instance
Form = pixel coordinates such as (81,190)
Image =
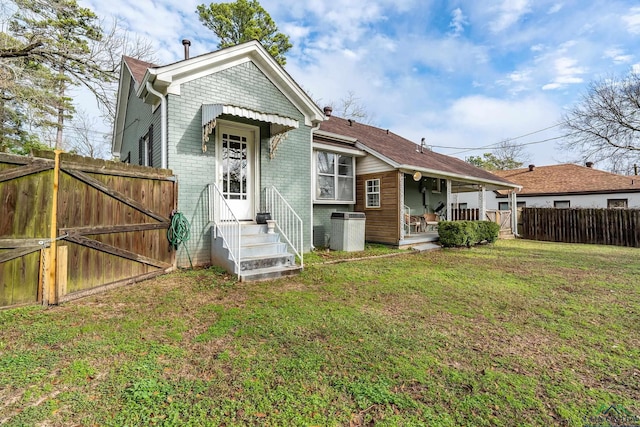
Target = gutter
(468,178)
(163,125)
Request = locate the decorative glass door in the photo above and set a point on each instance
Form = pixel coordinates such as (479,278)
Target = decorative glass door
(236,160)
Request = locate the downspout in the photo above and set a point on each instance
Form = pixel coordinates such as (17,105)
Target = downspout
(313,178)
(163,125)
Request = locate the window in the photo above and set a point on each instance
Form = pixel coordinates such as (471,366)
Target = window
(145,148)
(335,177)
(437,186)
(561,204)
(504,206)
(617,203)
(373,193)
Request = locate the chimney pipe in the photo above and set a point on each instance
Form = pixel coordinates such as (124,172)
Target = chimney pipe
(186,43)
(531,168)
(589,164)
(328,110)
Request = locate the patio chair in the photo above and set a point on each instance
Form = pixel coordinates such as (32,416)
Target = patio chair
(411,221)
(430,221)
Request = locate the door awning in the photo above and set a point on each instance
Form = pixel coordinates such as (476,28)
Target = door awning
(210,112)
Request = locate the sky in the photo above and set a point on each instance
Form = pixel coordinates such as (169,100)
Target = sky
(463,74)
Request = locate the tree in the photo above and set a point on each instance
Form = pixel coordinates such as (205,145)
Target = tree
(604,126)
(84,140)
(506,155)
(48,46)
(53,39)
(242,21)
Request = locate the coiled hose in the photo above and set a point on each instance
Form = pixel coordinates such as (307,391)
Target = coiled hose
(179,232)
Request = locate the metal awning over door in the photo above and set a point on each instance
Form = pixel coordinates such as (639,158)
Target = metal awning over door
(280,125)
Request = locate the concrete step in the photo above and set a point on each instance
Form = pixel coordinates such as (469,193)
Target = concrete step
(250,239)
(257,262)
(268,273)
(425,247)
(263,249)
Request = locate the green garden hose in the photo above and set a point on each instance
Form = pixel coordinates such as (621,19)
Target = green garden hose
(179,232)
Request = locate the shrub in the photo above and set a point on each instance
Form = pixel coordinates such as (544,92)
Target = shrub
(467,233)
(488,231)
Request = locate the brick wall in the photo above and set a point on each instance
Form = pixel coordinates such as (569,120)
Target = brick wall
(244,86)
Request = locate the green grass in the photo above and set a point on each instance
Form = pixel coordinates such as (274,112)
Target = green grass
(516,333)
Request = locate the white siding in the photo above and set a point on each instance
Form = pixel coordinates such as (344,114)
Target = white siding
(577,201)
(371,164)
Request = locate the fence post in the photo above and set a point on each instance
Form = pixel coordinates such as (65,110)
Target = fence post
(50,295)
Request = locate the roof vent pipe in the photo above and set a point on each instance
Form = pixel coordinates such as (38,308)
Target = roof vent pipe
(589,164)
(328,110)
(531,168)
(186,43)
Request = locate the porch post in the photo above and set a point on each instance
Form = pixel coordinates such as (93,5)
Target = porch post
(514,212)
(401,204)
(482,203)
(448,201)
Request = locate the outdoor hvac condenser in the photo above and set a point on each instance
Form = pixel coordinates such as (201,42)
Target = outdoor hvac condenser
(347,231)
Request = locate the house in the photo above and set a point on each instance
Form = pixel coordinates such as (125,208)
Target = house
(394,179)
(247,143)
(564,186)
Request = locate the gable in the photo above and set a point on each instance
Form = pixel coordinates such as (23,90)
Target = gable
(170,79)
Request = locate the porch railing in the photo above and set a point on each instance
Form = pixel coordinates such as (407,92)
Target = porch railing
(226,225)
(288,222)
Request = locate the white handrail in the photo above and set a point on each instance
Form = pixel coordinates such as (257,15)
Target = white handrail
(226,225)
(287,221)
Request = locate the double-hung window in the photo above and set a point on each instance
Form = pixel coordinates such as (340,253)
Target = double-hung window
(372,188)
(335,177)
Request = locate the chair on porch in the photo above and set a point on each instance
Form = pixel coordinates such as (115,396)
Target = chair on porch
(430,222)
(412,222)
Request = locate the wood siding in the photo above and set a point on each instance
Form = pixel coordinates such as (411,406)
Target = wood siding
(112,220)
(620,227)
(382,224)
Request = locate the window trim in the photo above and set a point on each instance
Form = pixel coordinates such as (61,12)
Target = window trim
(519,204)
(626,203)
(335,176)
(367,193)
(437,188)
(145,148)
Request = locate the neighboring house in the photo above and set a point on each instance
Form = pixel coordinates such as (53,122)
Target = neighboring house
(393,177)
(243,138)
(563,186)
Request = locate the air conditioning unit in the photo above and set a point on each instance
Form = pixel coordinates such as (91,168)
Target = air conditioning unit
(347,231)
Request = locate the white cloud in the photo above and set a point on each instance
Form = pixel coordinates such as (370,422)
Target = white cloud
(633,20)
(618,56)
(458,21)
(566,72)
(509,12)
(555,8)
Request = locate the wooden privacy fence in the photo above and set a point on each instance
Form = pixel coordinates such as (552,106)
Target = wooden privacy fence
(72,226)
(620,227)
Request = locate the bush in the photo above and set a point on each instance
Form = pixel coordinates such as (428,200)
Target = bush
(467,233)
(488,231)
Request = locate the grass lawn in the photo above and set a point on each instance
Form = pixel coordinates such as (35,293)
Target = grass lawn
(516,333)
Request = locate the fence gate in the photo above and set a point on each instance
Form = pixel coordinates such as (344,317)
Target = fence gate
(108,227)
(502,218)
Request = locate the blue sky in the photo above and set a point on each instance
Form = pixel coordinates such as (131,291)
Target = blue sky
(463,74)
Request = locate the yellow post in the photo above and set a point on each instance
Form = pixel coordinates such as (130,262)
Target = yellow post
(53,249)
